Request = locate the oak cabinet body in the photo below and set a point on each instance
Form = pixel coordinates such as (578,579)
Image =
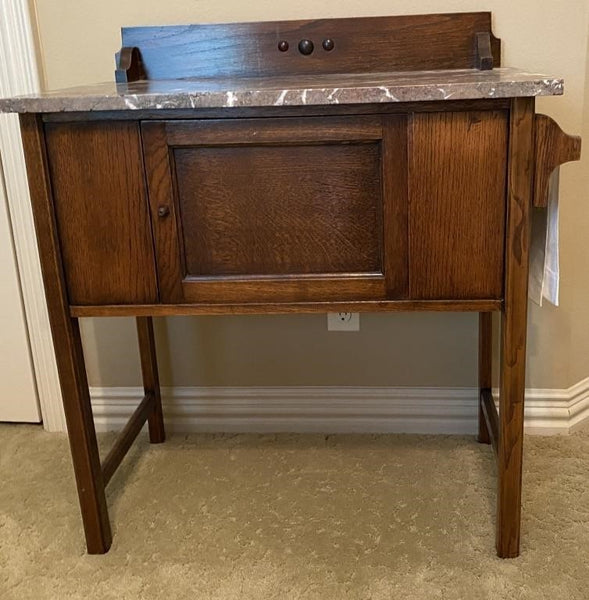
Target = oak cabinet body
(282,209)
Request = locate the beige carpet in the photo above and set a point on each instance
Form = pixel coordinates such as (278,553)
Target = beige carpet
(294,516)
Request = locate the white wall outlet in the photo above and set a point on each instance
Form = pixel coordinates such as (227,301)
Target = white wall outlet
(343,321)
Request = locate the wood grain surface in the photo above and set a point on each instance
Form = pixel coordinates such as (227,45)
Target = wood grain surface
(361,45)
(279,209)
(491,417)
(457,179)
(290,130)
(151,379)
(514,327)
(126,437)
(102,212)
(274,210)
(396,205)
(485,370)
(68,345)
(279,308)
(553,147)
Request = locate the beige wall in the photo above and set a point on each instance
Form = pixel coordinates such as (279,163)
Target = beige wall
(77,43)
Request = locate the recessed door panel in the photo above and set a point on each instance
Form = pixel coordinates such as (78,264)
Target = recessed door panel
(280,210)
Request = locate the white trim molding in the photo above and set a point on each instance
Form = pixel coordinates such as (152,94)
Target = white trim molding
(336,409)
(578,404)
(19,75)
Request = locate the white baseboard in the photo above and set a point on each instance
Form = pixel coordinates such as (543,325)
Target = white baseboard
(579,404)
(336,409)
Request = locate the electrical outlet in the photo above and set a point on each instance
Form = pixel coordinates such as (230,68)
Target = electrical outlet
(343,321)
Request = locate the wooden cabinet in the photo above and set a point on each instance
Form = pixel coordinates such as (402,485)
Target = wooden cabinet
(293,167)
(284,209)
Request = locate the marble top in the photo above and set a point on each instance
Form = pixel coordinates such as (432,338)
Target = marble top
(463,84)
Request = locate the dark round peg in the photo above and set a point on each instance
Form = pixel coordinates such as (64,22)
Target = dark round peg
(283,46)
(306,47)
(328,45)
(163,211)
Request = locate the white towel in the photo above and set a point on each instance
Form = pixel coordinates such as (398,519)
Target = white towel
(544,260)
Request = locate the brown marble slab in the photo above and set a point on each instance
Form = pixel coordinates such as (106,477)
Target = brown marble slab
(464,84)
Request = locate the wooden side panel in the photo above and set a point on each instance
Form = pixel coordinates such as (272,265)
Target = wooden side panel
(457,184)
(358,45)
(102,212)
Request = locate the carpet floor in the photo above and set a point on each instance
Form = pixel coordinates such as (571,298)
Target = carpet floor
(294,517)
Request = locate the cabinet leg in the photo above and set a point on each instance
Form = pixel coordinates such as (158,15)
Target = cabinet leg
(68,346)
(511,435)
(151,382)
(82,438)
(513,329)
(485,369)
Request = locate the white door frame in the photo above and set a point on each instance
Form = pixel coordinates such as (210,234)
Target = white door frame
(19,74)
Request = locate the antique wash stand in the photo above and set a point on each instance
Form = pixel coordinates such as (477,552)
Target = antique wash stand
(374,164)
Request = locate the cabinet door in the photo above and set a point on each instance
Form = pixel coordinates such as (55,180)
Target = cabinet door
(285,210)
